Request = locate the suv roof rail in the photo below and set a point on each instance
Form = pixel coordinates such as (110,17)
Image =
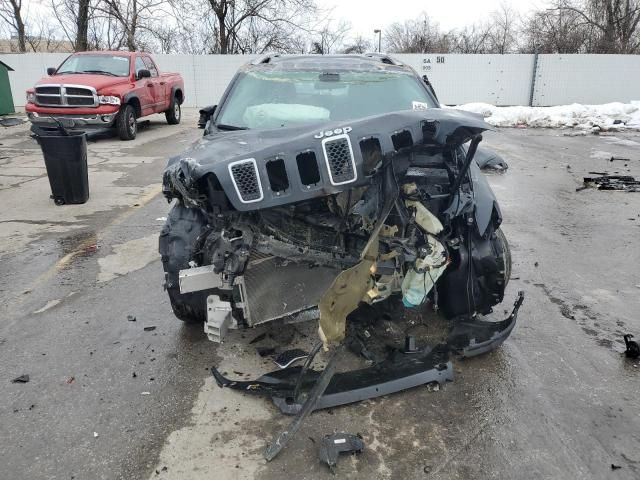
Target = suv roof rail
(383,57)
(265,58)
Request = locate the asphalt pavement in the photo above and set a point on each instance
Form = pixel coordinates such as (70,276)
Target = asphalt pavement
(111,398)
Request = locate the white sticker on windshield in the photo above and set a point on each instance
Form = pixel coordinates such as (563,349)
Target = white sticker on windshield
(419,105)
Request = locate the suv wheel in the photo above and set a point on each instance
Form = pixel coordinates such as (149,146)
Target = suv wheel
(126,123)
(174,113)
(178,245)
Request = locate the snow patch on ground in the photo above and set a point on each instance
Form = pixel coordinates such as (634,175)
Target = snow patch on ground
(582,117)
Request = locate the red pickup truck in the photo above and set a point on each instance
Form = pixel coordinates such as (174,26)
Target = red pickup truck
(98,90)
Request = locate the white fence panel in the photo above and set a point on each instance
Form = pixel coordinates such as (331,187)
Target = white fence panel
(214,72)
(495,79)
(457,79)
(28,69)
(588,79)
(182,64)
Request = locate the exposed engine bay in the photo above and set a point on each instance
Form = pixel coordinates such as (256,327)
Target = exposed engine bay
(309,222)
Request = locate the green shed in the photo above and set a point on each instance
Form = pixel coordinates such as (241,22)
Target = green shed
(6,98)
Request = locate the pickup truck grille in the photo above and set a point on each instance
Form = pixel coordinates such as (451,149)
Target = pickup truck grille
(66,96)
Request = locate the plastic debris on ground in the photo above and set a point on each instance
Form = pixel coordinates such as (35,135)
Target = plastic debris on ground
(333,445)
(623,183)
(289,357)
(632,347)
(21,379)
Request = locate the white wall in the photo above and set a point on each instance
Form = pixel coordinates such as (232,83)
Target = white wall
(495,79)
(28,68)
(595,79)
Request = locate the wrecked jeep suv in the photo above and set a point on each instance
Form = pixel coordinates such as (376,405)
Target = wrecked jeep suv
(325,182)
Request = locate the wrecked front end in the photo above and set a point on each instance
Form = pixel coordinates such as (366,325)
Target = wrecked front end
(308,222)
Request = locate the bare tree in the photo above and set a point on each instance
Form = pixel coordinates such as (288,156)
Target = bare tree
(503,29)
(74,18)
(132,18)
(326,38)
(12,14)
(416,36)
(357,45)
(615,24)
(42,35)
(242,23)
(471,39)
(555,31)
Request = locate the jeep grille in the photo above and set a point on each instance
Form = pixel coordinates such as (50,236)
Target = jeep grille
(244,174)
(337,152)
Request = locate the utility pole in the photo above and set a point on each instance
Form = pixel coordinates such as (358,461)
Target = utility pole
(379,32)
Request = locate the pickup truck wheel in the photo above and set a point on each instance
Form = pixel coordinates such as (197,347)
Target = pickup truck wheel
(178,245)
(174,113)
(126,123)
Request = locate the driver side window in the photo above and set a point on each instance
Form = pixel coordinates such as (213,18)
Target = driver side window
(150,66)
(139,65)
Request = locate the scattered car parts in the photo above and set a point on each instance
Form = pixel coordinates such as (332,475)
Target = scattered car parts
(289,357)
(472,338)
(333,445)
(320,384)
(21,379)
(625,183)
(398,370)
(632,347)
(489,160)
(395,374)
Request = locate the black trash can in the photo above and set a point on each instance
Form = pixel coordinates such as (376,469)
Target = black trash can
(65,156)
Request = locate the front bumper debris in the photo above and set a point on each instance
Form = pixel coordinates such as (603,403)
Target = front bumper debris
(472,338)
(398,371)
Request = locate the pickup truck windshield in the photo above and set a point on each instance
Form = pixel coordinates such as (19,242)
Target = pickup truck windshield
(287,98)
(112,65)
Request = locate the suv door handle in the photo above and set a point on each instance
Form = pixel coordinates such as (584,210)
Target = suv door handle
(162,83)
(149,84)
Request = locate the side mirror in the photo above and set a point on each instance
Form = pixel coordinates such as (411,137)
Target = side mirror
(205,115)
(51,70)
(143,73)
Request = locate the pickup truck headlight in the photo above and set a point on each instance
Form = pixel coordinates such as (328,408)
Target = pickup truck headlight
(31,97)
(109,100)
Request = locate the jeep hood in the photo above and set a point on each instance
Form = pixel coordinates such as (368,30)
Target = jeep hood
(238,159)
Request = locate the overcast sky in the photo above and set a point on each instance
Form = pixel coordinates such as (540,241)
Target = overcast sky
(367,15)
